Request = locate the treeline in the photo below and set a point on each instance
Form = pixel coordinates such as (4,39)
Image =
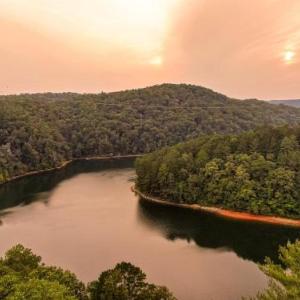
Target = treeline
(24,276)
(41,131)
(256,171)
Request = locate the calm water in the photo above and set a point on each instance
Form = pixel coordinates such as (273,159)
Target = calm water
(86,219)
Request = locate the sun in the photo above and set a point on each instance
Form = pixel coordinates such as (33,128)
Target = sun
(289,56)
(156,61)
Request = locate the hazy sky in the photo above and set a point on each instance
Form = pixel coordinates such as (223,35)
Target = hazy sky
(243,48)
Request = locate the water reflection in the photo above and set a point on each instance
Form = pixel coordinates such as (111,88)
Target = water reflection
(38,187)
(99,216)
(252,241)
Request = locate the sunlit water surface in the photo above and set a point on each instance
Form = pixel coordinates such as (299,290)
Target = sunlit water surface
(86,219)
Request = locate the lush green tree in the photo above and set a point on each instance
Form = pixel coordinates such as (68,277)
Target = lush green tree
(65,278)
(21,260)
(126,282)
(285,277)
(36,289)
(8,283)
(23,276)
(257,171)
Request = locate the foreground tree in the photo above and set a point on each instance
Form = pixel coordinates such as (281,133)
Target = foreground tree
(35,289)
(23,276)
(126,282)
(285,278)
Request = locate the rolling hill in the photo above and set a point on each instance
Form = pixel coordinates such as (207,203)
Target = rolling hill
(41,131)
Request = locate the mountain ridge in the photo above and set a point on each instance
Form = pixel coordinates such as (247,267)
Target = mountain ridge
(41,131)
(288,102)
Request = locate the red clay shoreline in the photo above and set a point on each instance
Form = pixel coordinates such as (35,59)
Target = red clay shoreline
(65,163)
(223,212)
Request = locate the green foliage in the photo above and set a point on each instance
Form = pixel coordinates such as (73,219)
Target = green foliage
(41,131)
(256,171)
(284,278)
(65,278)
(126,282)
(35,289)
(21,260)
(23,276)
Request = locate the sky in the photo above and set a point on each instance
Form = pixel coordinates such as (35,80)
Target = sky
(244,49)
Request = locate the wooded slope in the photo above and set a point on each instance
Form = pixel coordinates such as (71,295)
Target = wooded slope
(40,131)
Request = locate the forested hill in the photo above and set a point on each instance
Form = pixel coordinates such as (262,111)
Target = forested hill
(257,171)
(41,131)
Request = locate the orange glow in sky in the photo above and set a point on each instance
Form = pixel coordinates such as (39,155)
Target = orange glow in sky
(139,26)
(243,48)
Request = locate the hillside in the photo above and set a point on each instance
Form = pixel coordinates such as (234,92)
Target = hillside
(257,171)
(40,131)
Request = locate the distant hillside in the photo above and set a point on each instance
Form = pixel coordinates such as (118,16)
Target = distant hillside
(41,131)
(294,103)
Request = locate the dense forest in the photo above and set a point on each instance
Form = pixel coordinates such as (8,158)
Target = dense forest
(24,276)
(256,171)
(40,131)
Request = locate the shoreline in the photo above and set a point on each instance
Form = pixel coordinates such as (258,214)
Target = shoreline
(242,216)
(66,163)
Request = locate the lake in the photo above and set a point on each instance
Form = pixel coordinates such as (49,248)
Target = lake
(86,219)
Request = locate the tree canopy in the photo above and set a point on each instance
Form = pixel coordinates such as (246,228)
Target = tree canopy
(24,276)
(285,277)
(256,171)
(40,131)
(124,282)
